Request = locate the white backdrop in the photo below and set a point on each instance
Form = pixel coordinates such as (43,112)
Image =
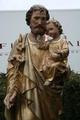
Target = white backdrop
(50,4)
(12,23)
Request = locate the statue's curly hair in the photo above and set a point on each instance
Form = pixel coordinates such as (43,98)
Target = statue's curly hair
(57,24)
(36,8)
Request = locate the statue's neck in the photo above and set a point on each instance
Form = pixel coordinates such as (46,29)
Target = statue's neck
(36,38)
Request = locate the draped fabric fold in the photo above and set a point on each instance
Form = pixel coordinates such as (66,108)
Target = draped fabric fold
(33,100)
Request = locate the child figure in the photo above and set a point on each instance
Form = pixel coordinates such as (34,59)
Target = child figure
(55,60)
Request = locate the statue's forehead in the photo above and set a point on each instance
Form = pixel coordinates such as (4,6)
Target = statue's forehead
(38,12)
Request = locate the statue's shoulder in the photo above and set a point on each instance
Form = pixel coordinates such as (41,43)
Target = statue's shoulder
(20,43)
(18,49)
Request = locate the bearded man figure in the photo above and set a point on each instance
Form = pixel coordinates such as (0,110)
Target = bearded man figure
(27,97)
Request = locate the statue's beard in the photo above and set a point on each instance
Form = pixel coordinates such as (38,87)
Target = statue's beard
(38,31)
(41,42)
(39,38)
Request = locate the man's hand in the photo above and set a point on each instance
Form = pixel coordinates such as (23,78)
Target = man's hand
(9,99)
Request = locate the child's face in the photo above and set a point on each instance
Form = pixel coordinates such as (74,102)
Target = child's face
(52,30)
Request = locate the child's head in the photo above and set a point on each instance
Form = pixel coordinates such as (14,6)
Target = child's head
(54,28)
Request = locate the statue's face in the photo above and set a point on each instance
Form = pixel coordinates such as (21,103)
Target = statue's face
(52,30)
(38,22)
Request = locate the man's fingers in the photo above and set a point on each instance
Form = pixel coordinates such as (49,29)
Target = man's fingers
(6,102)
(6,99)
(12,97)
(9,100)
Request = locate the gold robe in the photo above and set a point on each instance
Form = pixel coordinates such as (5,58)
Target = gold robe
(34,100)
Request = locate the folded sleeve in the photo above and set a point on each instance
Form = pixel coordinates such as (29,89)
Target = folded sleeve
(16,57)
